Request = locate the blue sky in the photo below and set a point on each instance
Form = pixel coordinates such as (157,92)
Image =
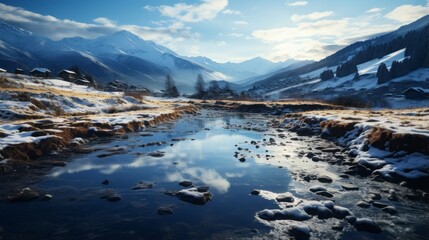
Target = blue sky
(224,30)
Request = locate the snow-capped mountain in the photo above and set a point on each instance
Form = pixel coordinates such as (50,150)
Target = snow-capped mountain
(239,72)
(408,47)
(122,55)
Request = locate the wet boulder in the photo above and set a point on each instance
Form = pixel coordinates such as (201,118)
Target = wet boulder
(367,225)
(293,213)
(164,211)
(255,192)
(300,232)
(26,194)
(192,195)
(142,185)
(285,197)
(324,179)
(185,183)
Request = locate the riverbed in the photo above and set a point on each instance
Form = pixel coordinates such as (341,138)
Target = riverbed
(243,159)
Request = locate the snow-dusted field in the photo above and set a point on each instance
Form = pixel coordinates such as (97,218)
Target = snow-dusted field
(389,126)
(33,100)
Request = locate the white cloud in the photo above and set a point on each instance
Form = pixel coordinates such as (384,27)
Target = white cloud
(303,30)
(149,8)
(298,49)
(237,35)
(298,3)
(221,43)
(311,16)
(315,40)
(240,22)
(231,12)
(206,10)
(104,21)
(374,10)
(57,29)
(408,13)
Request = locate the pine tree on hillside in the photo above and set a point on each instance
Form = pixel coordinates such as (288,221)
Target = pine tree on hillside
(357,76)
(200,86)
(326,75)
(170,87)
(383,74)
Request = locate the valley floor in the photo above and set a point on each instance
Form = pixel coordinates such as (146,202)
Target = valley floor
(41,119)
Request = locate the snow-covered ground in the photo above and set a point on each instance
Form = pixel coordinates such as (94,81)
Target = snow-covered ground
(410,165)
(367,82)
(28,96)
(32,100)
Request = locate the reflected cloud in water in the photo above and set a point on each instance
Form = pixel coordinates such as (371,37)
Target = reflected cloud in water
(209,177)
(197,160)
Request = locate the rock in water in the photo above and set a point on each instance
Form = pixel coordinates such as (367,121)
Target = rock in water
(324,179)
(317,188)
(363,204)
(164,211)
(47,197)
(324,193)
(185,183)
(26,194)
(203,189)
(114,197)
(255,192)
(300,232)
(192,195)
(390,210)
(366,224)
(285,197)
(142,185)
(105,182)
(349,187)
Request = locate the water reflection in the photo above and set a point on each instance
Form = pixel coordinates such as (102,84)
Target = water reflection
(209,177)
(203,160)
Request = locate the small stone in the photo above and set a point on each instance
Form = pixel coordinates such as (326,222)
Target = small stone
(374,196)
(324,179)
(341,212)
(344,176)
(325,194)
(203,189)
(47,197)
(255,192)
(366,224)
(142,185)
(242,159)
(317,188)
(156,154)
(115,197)
(105,182)
(363,204)
(26,194)
(285,197)
(349,187)
(390,210)
(185,183)
(255,231)
(310,155)
(379,205)
(300,232)
(310,177)
(164,211)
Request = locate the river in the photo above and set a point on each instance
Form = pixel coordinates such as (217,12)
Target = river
(232,154)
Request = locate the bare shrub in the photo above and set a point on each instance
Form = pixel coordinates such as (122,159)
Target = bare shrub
(137,95)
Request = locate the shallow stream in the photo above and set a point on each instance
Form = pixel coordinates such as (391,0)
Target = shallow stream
(230,153)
